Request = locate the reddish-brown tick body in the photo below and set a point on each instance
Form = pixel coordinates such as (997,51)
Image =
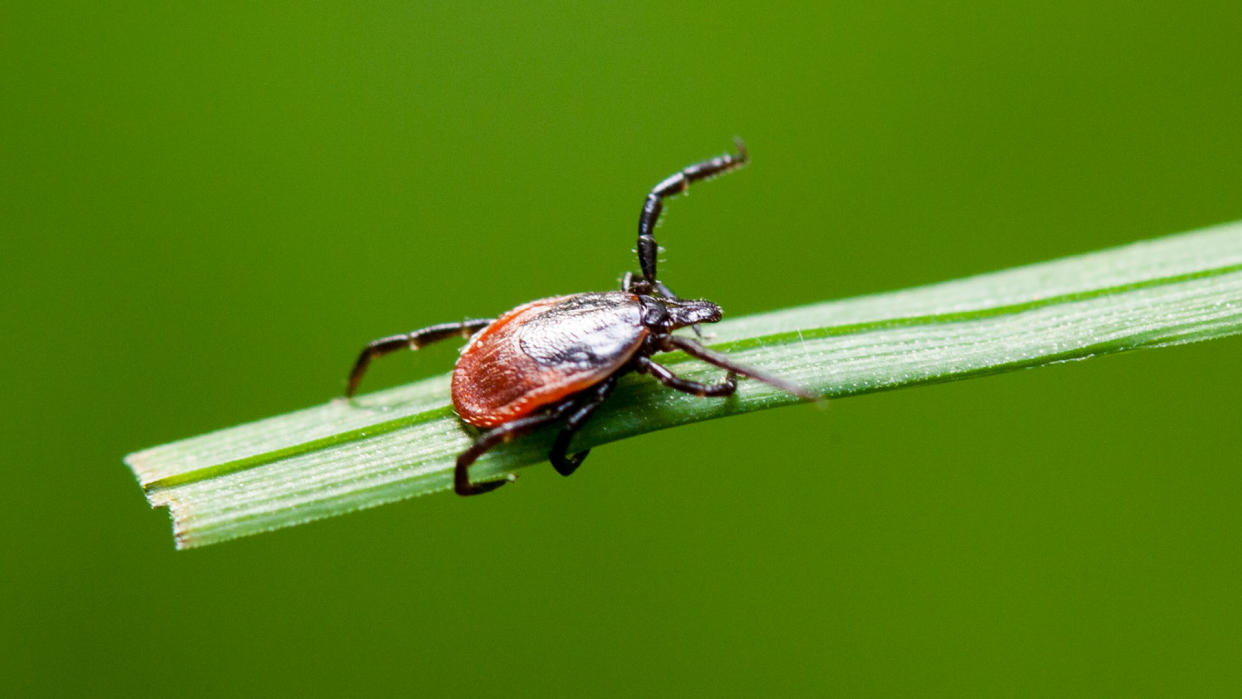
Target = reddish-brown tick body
(543,351)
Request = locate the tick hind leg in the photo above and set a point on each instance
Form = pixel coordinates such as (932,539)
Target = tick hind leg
(676,184)
(583,407)
(412,340)
(500,435)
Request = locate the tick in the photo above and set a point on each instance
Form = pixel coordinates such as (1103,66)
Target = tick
(559,358)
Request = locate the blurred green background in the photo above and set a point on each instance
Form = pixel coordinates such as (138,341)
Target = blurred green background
(208,208)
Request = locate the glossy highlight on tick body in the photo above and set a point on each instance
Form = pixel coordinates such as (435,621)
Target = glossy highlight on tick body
(558,359)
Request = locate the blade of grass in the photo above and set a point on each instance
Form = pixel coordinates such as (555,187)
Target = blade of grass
(399,443)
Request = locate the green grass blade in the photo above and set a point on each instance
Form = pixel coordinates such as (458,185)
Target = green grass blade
(395,444)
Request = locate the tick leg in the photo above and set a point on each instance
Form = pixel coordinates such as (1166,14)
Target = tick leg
(694,349)
(499,435)
(566,465)
(413,340)
(628,284)
(724,388)
(675,184)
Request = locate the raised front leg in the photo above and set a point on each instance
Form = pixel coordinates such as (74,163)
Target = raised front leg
(675,184)
(413,340)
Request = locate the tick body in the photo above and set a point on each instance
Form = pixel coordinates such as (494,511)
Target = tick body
(557,359)
(542,352)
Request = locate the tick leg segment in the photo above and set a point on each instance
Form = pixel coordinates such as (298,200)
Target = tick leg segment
(675,184)
(500,435)
(586,405)
(724,388)
(412,340)
(628,284)
(694,349)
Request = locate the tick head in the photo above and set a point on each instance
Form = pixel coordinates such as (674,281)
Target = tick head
(665,314)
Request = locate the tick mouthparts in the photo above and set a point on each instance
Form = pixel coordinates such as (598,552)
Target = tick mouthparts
(693,312)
